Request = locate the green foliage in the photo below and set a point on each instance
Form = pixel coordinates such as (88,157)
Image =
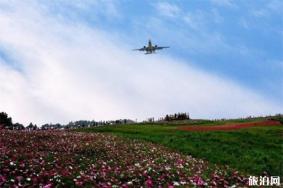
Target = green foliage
(278,117)
(253,150)
(5,120)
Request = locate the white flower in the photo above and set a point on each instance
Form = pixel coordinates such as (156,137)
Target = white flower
(167,168)
(137,165)
(175,183)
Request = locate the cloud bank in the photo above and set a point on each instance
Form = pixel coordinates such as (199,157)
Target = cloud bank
(56,70)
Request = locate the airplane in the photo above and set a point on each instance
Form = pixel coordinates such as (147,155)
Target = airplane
(149,49)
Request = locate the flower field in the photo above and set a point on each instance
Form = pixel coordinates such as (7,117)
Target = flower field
(231,126)
(70,159)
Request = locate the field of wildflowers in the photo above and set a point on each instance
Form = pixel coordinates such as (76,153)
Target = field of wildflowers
(71,159)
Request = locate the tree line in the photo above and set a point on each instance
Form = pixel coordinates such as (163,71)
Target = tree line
(6,123)
(177,116)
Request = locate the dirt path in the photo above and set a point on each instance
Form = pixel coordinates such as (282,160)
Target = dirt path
(230,126)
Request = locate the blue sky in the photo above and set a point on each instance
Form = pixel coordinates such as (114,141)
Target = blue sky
(239,42)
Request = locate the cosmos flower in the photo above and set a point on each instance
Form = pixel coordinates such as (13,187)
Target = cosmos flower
(70,159)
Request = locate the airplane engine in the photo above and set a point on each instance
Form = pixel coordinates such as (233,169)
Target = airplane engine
(150,48)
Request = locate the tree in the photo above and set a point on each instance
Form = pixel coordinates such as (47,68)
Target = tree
(167,117)
(31,127)
(5,120)
(18,126)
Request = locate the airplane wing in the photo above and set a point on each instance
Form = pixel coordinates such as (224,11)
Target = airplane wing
(161,47)
(140,49)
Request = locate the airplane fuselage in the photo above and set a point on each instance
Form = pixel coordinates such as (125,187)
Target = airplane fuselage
(149,49)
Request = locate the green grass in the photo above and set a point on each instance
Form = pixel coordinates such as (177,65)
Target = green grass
(217,122)
(251,150)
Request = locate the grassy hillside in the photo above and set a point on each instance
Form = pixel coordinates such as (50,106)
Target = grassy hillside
(252,150)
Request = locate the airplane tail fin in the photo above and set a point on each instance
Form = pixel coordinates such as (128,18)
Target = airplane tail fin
(149,43)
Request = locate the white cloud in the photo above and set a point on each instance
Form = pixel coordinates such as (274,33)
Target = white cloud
(168,9)
(199,19)
(244,23)
(194,22)
(71,71)
(225,3)
(259,13)
(268,8)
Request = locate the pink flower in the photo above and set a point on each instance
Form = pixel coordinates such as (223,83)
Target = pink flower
(198,180)
(18,178)
(149,183)
(79,183)
(48,185)
(2,180)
